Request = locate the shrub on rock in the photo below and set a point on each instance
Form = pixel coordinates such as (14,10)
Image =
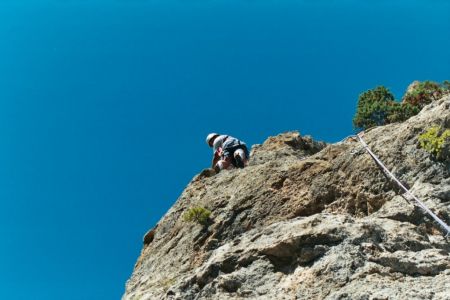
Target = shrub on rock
(378,107)
(434,140)
(373,108)
(420,94)
(198,215)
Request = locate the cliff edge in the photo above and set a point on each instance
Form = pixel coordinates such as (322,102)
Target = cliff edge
(309,220)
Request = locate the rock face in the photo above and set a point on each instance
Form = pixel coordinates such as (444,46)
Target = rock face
(307,220)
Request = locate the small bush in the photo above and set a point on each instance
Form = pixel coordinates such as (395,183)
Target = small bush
(433,140)
(199,215)
(424,93)
(373,108)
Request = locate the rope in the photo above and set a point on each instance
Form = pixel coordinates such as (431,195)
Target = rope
(421,204)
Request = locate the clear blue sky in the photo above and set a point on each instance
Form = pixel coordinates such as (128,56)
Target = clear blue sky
(104,107)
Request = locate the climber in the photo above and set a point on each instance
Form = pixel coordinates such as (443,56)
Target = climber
(228,152)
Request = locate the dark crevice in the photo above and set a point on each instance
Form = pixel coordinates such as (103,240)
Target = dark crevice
(278,184)
(229,265)
(209,275)
(150,236)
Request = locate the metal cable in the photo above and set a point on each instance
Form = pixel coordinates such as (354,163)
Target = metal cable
(421,204)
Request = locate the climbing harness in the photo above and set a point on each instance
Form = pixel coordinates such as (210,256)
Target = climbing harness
(421,204)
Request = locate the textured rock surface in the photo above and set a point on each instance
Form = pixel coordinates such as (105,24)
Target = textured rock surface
(306,220)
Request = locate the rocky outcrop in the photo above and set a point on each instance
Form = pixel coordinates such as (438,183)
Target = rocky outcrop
(307,220)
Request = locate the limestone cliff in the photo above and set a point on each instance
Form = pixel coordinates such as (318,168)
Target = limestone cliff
(307,220)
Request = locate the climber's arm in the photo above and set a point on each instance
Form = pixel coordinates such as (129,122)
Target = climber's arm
(216,157)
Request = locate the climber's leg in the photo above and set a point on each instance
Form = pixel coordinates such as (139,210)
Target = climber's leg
(224,164)
(240,158)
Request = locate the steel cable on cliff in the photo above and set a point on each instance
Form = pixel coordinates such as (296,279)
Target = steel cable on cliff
(421,204)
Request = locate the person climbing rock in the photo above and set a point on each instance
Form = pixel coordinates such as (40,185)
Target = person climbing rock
(228,152)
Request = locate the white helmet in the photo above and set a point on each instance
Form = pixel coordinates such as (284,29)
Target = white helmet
(210,137)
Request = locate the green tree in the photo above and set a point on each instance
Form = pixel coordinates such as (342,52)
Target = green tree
(374,107)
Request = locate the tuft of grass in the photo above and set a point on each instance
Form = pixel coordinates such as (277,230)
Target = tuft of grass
(198,215)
